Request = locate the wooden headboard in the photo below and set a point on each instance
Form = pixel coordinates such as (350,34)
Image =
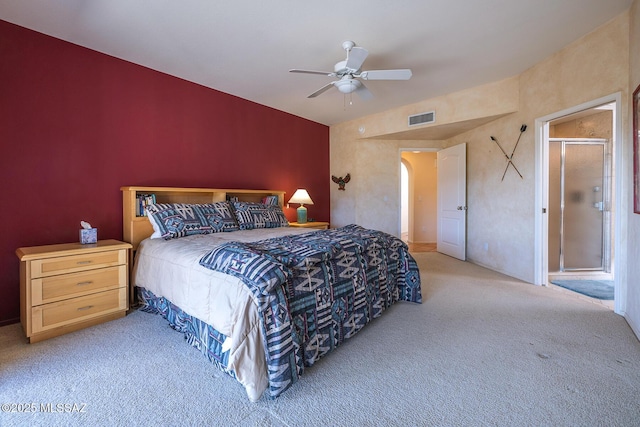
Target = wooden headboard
(136,228)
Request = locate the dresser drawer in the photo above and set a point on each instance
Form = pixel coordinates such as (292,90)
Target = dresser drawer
(55,288)
(56,314)
(69,264)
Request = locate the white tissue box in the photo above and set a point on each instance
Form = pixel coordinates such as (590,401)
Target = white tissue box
(89,235)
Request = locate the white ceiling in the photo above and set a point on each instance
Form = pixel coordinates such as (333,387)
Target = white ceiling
(246,47)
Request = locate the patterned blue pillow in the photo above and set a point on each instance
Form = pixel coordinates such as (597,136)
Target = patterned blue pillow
(219,216)
(172,220)
(257,215)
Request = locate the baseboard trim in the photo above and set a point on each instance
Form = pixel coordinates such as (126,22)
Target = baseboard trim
(635,328)
(9,321)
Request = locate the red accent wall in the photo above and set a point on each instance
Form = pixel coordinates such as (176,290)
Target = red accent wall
(76,125)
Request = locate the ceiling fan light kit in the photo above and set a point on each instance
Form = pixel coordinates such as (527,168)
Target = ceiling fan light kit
(349,73)
(346,85)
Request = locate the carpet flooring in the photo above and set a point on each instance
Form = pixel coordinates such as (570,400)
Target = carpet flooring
(483,349)
(600,289)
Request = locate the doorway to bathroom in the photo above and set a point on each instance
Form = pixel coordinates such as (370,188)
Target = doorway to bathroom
(579,151)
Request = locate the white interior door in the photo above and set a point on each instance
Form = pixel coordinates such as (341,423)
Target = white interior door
(452,201)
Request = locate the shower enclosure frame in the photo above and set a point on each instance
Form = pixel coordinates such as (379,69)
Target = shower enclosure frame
(605,207)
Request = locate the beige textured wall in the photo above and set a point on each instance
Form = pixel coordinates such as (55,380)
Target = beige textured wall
(633,226)
(372,199)
(597,125)
(501,214)
(500,226)
(488,100)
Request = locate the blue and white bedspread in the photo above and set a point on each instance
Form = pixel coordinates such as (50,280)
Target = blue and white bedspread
(317,289)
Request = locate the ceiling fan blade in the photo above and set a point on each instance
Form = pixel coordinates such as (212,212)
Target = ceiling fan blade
(404,74)
(364,93)
(356,57)
(321,90)
(323,73)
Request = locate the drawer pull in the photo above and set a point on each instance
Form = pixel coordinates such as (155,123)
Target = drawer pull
(88,307)
(87,282)
(83,262)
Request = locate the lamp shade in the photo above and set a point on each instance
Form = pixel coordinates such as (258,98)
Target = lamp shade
(301,196)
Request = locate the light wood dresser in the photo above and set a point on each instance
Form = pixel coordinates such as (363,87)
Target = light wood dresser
(71,286)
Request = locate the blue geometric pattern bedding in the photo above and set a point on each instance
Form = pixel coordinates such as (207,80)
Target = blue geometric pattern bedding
(316,289)
(197,333)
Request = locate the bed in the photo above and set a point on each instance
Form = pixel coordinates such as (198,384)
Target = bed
(262,300)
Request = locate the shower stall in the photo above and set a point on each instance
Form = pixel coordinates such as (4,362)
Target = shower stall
(579,205)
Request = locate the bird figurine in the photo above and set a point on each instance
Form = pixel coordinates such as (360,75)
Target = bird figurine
(341,181)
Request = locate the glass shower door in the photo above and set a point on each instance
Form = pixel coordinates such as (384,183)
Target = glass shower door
(583,206)
(582,194)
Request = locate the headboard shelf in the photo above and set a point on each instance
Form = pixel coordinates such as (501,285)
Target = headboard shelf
(137,228)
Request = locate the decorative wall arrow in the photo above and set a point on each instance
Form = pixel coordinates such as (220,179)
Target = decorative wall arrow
(510,158)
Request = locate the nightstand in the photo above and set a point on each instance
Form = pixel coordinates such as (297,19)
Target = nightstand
(71,286)
(312,224)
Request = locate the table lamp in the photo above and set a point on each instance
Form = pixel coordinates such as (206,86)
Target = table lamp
(301,196)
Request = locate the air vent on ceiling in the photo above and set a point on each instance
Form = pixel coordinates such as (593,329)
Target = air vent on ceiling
(422,118)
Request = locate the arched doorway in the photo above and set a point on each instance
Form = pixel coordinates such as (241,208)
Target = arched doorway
(418,198)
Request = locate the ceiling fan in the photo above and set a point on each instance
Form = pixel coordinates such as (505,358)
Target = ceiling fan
(350,76)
